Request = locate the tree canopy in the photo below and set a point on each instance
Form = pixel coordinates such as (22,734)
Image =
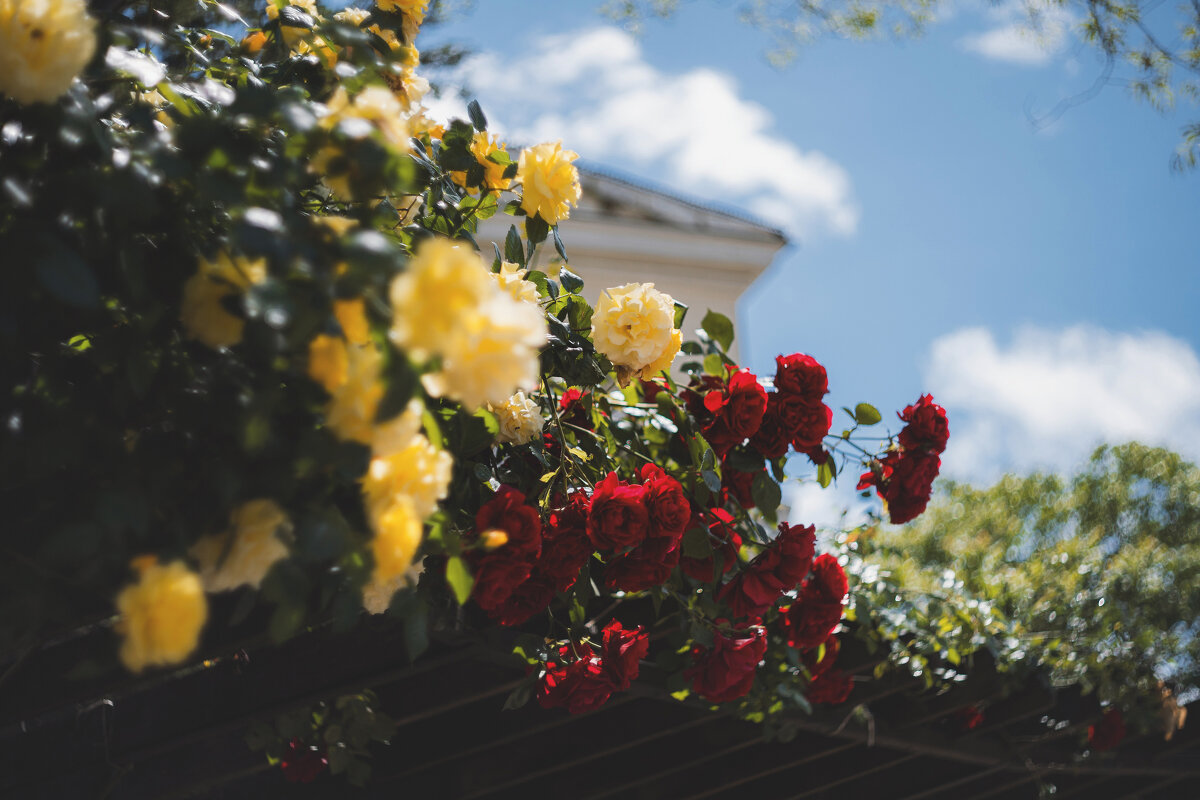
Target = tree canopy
(1098,574)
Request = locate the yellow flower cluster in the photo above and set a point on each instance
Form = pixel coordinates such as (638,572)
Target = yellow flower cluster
(203,316)
(520,419)
(349,366)
(242,555)
(482,146)
(161,615)
(511,278)
(303,41)
(549,181)
(414,12)
(488,340)
(44,44)
(634,325)
(405,480)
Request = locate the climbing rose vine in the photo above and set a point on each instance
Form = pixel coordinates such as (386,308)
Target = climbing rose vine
(250,322)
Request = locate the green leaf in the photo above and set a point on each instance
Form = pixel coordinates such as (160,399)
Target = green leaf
(513,251)
(520,695)
(558,246)
(681,312)
(713,364)
(476,115)
(536,229)
(711,479)
(719,327)
(64,274)
(460,579)
(416,630)
(766,493)
(825,473)
(866,414)
(570,281)
(696,543)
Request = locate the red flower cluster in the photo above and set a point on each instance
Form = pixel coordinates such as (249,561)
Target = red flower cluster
(779,568)
(585,679)
(301,763)
(795,413)
(565,548)
(904,478)
(1108,732)
(737,411)
(641,526)
(572,410)
(968,718)
(719,523)
(520,578)
(818,608)
(726,670)
(830,688)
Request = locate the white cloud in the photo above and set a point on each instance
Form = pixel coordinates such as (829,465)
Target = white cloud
(1048,398)
(836,508)
(594,90)
(1019,37)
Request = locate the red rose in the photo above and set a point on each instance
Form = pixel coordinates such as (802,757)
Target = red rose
(830,688)
(572,410)
(565,544)
(301,763)
(968,718)
(818,608)
(737,484)
(621,651)
(776,431)
(817,666)
(904,480)
(647,565)
(508,512)
(726,671)
(801,375)
(814,426)
(530,598)
(497,576)
(666,504)
(926,428)
(579,686)
(774,571)
(737,411)
(719,523)
(618,517)
(651,388)
(1108,732)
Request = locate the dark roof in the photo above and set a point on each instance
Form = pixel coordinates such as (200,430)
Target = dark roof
(588,167)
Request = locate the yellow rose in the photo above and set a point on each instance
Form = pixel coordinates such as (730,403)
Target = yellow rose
(352,316)
(203,316)
(161,615)
(493,353)
(295,38)
(328,362)
(351,411)
(549,181)
(482,146)
(418,471)
(414,14)
(377,595)
(520,419)
(634,325)
(372,109)
(242,555)
(444,283)
(511,279)
(44,44)
(397,537)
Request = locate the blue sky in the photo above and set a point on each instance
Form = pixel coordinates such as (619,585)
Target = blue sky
(1041,283)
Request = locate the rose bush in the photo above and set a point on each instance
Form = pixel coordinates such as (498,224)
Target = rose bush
(251,330)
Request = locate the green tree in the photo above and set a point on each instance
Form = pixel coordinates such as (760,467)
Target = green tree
(1099,574)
